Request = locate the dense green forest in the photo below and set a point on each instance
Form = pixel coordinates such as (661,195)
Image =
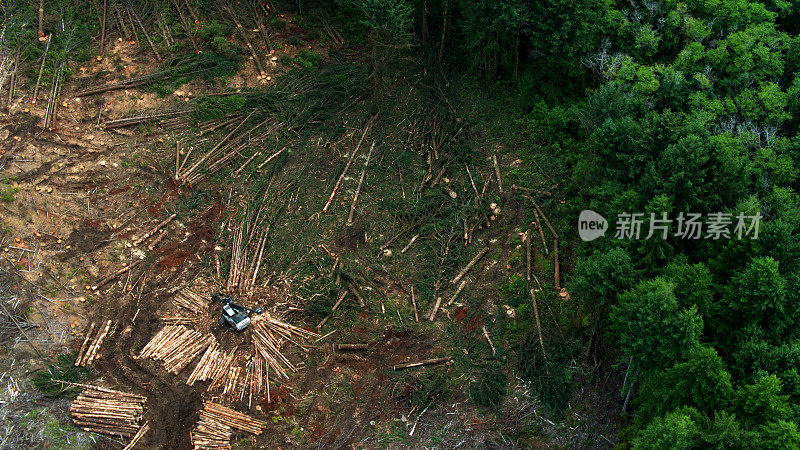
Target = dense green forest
(670,107)
(667,108)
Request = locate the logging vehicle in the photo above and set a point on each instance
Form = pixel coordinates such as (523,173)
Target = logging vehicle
(233,314)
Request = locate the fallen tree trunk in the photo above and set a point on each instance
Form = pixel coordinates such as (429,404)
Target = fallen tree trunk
(341,347)
(41,68)
(335,306)
(435,309)
(358,189)
(147,235)
(124,84)
(497,173)
(344,172)
(538,323)
(135,120)
(114,275)
(466,269)
(426,362)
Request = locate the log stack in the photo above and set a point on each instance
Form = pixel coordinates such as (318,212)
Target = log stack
(268,334)
(268,346)
(221,369)
(92,343)
(179,320)
(177,346)
(109,412)
(192,301)
(226,416)
(206,368)
(211,435)
(255,379)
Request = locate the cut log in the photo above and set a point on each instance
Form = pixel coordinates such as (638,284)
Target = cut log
(344,172)
(138,436)
(414,303)
(528,255)
(114,275)
(410,243)
(466,269)
(135,120)
(541,214)
(435,309)
(541,232)
(458,291)
(497,173)
(358,189)
(85,345)
(158,227)
(538,323)
(426,362)
(335,306)
(489,340)
(341,347)
(557,275)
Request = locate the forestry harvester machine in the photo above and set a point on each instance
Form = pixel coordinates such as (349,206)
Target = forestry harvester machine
(233,314)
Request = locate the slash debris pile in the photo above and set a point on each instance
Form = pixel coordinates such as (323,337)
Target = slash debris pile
(109,412)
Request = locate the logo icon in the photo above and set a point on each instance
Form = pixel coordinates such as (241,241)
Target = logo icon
(591,225)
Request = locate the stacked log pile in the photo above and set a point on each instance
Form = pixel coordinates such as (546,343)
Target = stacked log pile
(268,346)
(92,343)
(206,369)
(138,437)
(179,320)
(192,301)
(177,346)
(210,434)
(216,424)
(254,380)
(267,336)
(109,412)
(230,417)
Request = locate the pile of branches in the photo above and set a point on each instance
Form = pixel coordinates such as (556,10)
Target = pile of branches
(297,101)
(14,324)
(204,65)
